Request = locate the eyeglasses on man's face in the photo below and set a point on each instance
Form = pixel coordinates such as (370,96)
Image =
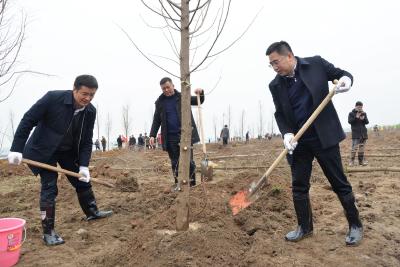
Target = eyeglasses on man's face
(275,62)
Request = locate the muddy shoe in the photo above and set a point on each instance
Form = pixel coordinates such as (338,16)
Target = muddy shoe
(298,234)
(354,236)
(351,163)
(364,163)
(52,239)
(176,187)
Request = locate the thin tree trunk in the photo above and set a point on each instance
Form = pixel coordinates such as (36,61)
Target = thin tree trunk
(182,216)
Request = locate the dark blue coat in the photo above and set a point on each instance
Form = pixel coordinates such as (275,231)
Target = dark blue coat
(160,118)
(52,115)
(315,72)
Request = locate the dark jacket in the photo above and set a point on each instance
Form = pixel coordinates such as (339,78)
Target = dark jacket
(160,118)
(315,72)
(52,115)
(358,129)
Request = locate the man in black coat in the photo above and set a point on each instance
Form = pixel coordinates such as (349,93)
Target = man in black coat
(359,134)
(168,115)
(64,123)
(298,88)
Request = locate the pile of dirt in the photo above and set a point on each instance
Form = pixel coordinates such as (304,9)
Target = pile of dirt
(7,170)
(127,183)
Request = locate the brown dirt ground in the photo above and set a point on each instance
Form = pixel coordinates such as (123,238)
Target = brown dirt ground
(141,232)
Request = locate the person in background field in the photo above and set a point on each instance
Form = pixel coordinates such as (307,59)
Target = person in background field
(225,135)
(168,115)
(376,130)
(140,142)
(299,87)
(103,143)
(64,122)
(247,137)
(119,142)
(359,134)
(97,144)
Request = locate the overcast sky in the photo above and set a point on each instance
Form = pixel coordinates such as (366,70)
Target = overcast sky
(69,38)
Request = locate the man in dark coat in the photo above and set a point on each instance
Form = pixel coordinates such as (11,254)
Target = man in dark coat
(225,135)
(168,115)
(64,123)
(103,143)
(359,135)
(119,141)
(298,88)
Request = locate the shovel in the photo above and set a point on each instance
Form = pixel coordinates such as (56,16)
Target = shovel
(66,172)
(245,198)
(206,165)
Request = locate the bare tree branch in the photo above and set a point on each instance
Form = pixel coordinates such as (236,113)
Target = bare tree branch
(219,31)
(153,27)
(200,7)
(161,14)
(167,58)
(172,43)
(143,54)
(203,16)
(167,17)
(172,7)
(173,4)
(238,38)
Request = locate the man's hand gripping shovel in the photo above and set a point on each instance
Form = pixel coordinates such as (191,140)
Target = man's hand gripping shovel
(246,197)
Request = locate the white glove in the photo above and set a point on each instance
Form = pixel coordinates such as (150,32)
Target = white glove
(287,142)
(343,85)
(14,158)
(84,171)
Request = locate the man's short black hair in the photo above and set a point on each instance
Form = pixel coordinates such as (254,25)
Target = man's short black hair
(359,103)
(164,80)
(282,48)
(85,80)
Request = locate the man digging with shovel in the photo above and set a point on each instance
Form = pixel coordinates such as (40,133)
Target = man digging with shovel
(298,88)
(64,123)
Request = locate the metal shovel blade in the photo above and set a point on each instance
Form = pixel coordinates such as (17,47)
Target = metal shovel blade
(240,201)
(206,170)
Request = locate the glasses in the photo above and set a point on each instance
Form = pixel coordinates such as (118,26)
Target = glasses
(275,62)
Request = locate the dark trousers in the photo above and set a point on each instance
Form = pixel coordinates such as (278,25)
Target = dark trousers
(224,141)
(358,144)
(173,150)
(48,179)
(330,161)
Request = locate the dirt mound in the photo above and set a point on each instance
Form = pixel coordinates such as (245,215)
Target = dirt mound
(7,170)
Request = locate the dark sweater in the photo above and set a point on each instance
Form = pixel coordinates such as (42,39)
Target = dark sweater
(173,124)
(301,101)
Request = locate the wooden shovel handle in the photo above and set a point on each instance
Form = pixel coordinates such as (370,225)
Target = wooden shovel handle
(66,172)
(201,124)
(304,128)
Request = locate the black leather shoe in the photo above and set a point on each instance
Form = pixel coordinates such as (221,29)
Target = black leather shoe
(297,234)
(52,239)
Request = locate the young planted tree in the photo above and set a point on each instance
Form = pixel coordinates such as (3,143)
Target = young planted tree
(126,120)
(108,130)
(12,117)
(98,122)
(242,126)
(198,34)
